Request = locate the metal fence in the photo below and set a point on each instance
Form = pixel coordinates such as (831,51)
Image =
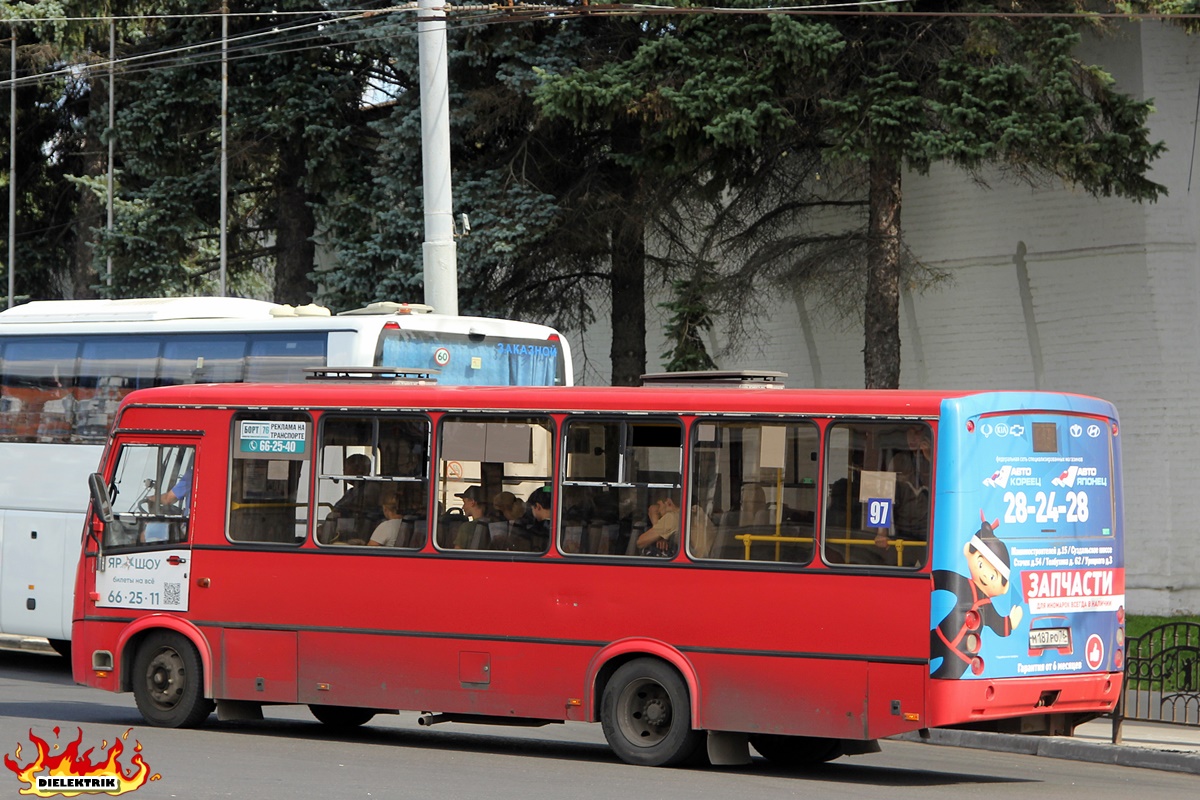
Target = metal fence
(1162,677)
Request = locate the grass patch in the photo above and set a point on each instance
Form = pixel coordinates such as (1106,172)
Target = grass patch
(1137,625)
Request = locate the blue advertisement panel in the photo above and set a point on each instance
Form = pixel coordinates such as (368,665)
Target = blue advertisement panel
(1028,568)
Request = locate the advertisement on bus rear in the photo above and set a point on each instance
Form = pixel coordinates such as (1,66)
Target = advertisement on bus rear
(1028,569)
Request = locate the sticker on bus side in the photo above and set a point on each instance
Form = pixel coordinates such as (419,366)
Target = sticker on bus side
(1028,571)
(154,581)
(283,437)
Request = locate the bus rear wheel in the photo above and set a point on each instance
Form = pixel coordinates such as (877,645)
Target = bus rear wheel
(168,682)
(342,717)
(795,751)
(645,713)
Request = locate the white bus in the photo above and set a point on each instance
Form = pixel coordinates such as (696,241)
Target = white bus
(65,365)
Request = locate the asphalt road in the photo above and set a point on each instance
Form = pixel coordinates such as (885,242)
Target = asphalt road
(291,755)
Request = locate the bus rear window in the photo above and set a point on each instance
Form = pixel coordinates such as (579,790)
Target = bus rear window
(474,360)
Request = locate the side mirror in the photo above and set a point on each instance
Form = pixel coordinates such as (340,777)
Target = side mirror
(100,501)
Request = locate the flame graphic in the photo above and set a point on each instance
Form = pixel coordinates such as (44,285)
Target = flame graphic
(70,763)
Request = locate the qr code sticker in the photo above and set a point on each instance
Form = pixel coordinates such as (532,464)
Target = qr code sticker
(171,594)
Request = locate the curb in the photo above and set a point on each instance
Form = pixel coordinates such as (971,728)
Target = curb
(1063,747)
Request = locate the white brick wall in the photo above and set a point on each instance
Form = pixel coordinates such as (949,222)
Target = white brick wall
(1114,293)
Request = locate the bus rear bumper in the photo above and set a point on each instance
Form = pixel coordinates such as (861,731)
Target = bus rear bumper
(1045,704)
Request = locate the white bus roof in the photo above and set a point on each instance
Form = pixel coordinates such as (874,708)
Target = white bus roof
(186,314)
(144,309)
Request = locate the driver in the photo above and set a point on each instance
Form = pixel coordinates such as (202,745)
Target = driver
(176,530)
(177,493)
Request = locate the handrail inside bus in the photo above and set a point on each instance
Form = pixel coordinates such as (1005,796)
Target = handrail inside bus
(748,539)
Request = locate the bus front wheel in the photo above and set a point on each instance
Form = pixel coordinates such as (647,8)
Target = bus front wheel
(645,713)
(795,751)
(342,717)
(168,682)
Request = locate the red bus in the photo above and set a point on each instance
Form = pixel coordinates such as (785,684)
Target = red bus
(803,572)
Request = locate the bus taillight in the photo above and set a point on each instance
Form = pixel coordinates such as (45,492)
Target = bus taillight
(970,426)
(972,620)
(1118,658)
(977,665)
(972,643)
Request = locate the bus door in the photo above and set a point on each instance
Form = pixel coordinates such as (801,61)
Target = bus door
(145,552)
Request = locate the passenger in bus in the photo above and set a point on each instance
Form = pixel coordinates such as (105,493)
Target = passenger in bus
(507,508)
(531,532)
(387,532)
(357,510)
(662,538)
(473,534)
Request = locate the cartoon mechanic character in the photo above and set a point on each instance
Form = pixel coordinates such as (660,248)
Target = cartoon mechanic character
(987,563)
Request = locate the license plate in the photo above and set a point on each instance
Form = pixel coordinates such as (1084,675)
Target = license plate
(1043,638)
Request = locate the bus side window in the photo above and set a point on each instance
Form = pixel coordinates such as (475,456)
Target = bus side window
(403,447)
(38,389)
(878,497)
(616,471)
(753,490)
(269,478)
(110,368)
(489,468)
(348,497)
(203,358)
(372,485)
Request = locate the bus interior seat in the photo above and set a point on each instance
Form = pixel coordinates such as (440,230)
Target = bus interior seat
(420,528)
(631,548)
(572,538)
(448,525)
(602,536)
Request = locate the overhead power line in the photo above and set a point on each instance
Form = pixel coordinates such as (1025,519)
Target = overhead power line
(277,39)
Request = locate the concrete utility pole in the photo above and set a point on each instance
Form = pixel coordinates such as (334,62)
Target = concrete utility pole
(12,173)
(439,251)
(112,60)
(224,152)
